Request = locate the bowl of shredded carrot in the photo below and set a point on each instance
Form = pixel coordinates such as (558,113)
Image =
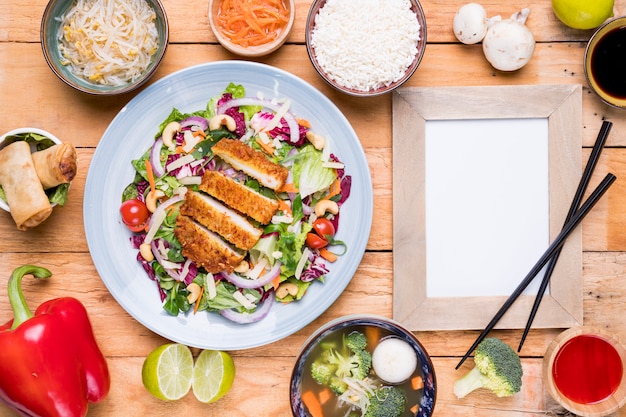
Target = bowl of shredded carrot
(251,28)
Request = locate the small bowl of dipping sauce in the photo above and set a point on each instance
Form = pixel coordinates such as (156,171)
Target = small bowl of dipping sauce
(584,371)
(398,366)
(103,50)
(252,28)
(605,62)
(366,48)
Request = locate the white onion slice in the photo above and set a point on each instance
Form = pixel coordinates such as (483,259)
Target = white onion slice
(168,266)
(159,215)
(294,131)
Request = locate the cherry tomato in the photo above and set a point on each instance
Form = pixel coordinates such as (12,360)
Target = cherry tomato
(315,241)
(324,228)
(135,214)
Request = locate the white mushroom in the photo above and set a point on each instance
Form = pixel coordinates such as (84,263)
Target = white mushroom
(470,23)
(509,44)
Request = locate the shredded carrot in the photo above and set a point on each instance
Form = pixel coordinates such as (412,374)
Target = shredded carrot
(276,282)
(267,147)
(150,174)
(199,133)
(284,207)
(312,403)
(303,122)
(414,409)
(288,188)
(195,308)
(328,255)
(335,189)
(252,22)
(417,383)
(179,149)
(325,395)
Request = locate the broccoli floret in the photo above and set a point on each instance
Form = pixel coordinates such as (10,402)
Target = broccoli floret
(387,401)
(337,385)
(356,341)
(322,372)
(498,369)
(362,360)
(336,363)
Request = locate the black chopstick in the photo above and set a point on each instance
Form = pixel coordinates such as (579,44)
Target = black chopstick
(578,196)
(556,244)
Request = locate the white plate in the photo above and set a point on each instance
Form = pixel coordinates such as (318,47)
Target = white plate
(129,135)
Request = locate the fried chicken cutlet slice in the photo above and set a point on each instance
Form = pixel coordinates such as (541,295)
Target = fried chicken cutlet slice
(221,219)
(206,248)
(254,163)
(238,196)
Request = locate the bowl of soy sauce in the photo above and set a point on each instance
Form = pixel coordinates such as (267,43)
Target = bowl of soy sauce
(605,62)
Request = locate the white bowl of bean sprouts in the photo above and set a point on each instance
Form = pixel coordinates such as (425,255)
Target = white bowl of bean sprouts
(104,50)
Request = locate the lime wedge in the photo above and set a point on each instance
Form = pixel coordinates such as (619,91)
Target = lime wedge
(213,375)
(167,371)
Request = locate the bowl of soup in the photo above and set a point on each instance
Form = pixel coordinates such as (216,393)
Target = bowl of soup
(360,362)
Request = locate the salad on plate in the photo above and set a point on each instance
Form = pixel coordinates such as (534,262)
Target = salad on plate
(235,207)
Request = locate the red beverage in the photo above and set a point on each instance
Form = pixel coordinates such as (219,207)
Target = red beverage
(587,369)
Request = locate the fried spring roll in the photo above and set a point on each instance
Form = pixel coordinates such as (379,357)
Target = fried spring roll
(25,195)
(55,165)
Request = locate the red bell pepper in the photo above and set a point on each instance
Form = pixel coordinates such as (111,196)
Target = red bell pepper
(50,363)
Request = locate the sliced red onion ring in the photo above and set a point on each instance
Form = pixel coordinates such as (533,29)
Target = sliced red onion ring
(294,131)
(242,282)
(199,121)
(245,318)
(157,255)
(155,158)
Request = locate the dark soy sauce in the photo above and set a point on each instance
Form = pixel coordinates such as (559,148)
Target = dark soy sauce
(608,63)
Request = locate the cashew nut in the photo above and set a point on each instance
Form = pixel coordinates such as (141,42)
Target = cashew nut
(316,140)
(146,252)
(168,134)
(194,292)
(222,120)
(151,199)
(326,206)
(285,289)
(243,267)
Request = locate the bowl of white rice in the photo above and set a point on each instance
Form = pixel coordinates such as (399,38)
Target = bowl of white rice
(366,47)
(104,47)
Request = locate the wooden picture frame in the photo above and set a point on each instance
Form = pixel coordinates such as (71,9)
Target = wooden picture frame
(413,107)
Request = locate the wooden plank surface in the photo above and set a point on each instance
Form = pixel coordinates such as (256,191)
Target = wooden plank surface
(32,96)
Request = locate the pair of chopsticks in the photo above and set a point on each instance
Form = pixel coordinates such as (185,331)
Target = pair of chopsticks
(551,255)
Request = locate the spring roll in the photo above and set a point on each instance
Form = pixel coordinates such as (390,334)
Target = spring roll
(55,165)
(24,193)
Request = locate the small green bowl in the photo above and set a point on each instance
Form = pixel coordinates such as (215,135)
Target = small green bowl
(51,31)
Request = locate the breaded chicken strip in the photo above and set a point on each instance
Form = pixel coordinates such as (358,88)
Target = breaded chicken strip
(238,196)
(206,248)
(252,162)
(220,219)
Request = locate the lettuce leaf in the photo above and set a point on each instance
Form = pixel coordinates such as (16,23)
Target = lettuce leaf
(310,176)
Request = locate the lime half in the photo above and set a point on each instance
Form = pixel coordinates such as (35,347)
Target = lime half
(213,375)
(168,371)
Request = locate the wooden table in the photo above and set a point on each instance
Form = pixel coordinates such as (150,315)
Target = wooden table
(32,96)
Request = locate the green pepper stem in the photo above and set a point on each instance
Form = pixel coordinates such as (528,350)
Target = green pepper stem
(21,312)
